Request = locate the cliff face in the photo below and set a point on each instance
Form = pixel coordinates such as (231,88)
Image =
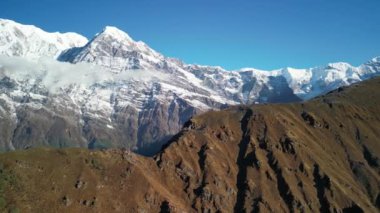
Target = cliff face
(317,156)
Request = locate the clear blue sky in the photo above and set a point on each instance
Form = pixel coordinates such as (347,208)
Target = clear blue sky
(264,34)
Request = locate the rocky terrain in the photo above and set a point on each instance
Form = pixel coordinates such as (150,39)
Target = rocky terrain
(61,90)
(321,155)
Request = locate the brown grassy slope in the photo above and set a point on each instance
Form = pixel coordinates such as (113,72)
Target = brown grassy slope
(319,156)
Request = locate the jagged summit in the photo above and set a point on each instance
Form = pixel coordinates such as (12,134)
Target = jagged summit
(115,49)
(115,33)
(375,60)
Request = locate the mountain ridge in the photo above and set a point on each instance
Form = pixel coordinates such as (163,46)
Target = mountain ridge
(30,41)
(116,29)
(116,92)
(320,155)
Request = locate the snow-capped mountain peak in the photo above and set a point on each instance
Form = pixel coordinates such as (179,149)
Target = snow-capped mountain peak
(135,91)
(338,66)
(32,42)
(375,60)
(115,33)
(115,49)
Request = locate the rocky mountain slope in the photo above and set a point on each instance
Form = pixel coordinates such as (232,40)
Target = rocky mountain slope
(322,155)
(117,92)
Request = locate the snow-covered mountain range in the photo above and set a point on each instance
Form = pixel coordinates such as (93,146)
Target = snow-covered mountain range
(63,90)
(32,42)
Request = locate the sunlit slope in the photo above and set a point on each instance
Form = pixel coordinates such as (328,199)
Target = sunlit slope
(317,156)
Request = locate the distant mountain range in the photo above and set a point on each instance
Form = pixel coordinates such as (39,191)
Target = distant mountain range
(321,155)
(62,90)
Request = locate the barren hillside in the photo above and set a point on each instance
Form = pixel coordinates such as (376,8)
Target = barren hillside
(317,156)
